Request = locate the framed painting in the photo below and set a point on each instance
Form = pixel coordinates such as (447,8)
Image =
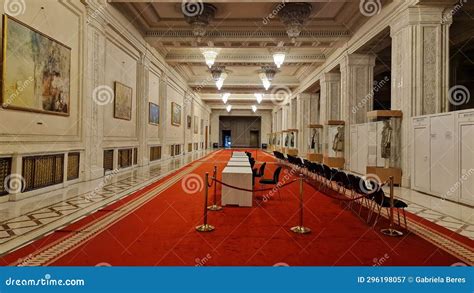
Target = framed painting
(196,127)
(36,70)
(122,101)
(188,121)
(175,114)
(153,113)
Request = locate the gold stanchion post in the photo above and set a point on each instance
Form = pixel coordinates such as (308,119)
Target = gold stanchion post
(205,227)
(215,207)
(301,229)
(390,231)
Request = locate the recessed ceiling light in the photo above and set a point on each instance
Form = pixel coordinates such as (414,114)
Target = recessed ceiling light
(228,108)
(254,108)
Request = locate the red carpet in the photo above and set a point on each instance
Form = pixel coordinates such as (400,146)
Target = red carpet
(161,232)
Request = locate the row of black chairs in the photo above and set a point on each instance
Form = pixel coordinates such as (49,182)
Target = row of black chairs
(368,192)
(260,172)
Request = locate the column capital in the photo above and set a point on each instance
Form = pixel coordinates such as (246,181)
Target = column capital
(331,77)
(303,96)
(423,15)
(358,60)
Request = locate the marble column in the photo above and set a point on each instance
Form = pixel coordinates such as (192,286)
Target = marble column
(420,75)
(314,114)
(357,79)
(302,121)
(330,104)
(98,95)
(143,72)
(164,113)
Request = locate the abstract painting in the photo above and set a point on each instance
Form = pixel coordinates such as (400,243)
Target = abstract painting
(153,114)
(36,70)
(175,114)
(122,101)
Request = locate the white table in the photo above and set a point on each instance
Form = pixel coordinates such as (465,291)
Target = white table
(239,160)
(239,177)
(238,164)
(239,154)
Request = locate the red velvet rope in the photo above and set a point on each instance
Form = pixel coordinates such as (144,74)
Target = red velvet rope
(252,190)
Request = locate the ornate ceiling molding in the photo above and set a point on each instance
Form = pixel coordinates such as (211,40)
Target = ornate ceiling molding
(244,59)
(294,16)
(186,33)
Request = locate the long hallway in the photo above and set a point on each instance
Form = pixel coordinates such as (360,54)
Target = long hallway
(156,226)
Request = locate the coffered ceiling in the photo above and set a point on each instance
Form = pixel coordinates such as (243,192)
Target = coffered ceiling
(245,31)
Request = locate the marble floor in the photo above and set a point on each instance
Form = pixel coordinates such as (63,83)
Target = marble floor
(22,222)
(453,216)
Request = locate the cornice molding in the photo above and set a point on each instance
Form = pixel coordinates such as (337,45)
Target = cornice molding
(244,58)
(186,33)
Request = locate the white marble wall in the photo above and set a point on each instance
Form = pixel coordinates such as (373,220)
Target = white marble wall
(104,49)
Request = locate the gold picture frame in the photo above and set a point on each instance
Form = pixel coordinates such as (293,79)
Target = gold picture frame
(39,70)
(122,101)
(175,114)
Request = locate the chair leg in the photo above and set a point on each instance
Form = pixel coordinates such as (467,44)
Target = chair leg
(398,215)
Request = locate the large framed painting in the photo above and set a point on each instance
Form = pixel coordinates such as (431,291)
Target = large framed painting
(175,114)
(188,121)
(122,101)
(153,113)
(196,121)
(36,70)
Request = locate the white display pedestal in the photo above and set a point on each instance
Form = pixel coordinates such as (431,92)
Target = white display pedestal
(238,177)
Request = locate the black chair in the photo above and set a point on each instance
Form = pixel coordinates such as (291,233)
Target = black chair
(274,180)
(252,162)
(258,173)
(383,201)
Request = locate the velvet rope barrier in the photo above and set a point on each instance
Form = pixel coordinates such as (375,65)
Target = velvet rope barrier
(253,190)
